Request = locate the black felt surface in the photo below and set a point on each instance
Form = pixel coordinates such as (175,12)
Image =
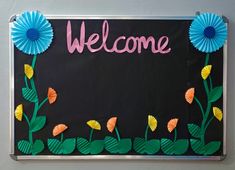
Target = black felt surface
(129,86)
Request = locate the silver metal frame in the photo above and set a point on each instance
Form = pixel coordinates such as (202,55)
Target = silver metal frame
(112,157)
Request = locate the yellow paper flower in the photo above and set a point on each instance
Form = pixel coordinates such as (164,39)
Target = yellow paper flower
(152,122)
(19,112)
(171,125)
(218,113)
(189,95)
(206,71)
(28,71)
(94,124)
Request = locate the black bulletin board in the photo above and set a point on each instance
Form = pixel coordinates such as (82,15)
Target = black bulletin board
(130,86)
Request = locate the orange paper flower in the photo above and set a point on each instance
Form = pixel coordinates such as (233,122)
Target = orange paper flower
(172,124)
(111,124)
(52,95)
(189,95)
(58,129)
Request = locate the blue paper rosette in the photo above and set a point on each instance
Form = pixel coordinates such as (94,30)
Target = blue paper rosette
(208,32)
(31,33)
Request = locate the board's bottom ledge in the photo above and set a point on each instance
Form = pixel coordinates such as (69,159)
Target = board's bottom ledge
(114,157)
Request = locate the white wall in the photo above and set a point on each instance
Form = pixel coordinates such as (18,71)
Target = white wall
(117,7)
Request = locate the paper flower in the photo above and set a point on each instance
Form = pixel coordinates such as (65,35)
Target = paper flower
(32,33)
(208,32)
(52,95)
(171,125)
(189,95)
(218,113)
(94,124)
(206,71)
(58,129)
(28,71)
(19,112)
(111,123)
(152,122)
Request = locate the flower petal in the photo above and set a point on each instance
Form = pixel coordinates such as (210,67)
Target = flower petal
(58,129)
(171,125)
(52,95)
(152,122)
(19,112)
(189,95)
(28,71)
(218,113)
(94,124)
(111,124)
(206,71)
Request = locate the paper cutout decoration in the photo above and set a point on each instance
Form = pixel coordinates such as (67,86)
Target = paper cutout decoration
(58,129)
(218,113)
(90,146)
(94,124)
(171,125)
(189,95)
(175,146)
(111,124)
(206,71)
(52,95)
(19,112)
(31,33)
(208,32)
(28,70)
(145,146)
(62,146)
(119,145)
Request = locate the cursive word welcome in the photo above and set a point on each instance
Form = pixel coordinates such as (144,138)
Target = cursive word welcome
(131,43)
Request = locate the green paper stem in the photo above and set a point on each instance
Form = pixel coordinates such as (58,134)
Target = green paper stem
(200,106)
(61,137)
(204,122)
(26,82)
(146,133)
(175,136)
(208,123)
(34,61)
(26,118)
(210,81)
(42,103)
(206,87)
(207,59)
(117,133)
(91,133)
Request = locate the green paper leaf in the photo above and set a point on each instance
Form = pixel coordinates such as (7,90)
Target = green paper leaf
(24,147)
(194,130)
(124,146)
(38,123)
(197,146)
(83,146)
(37,147)
(212,147)
(29,95)
(167,146)
(96,146)
(181,146)
(152,146)
(111,144)
(215,94)
(54,146)
(139,145)
(146,147)
(68,145)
